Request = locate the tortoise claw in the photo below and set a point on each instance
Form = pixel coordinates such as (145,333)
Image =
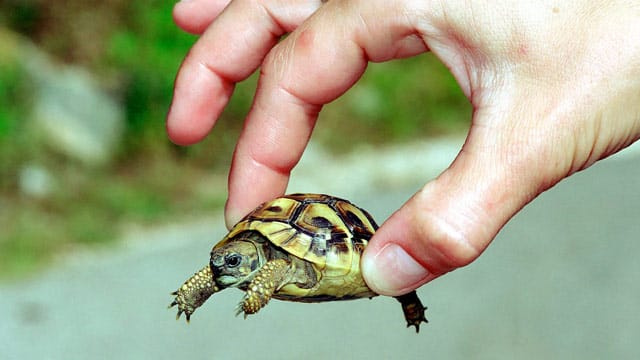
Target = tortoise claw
(173,303)
(181,310)
(413,310)
(417,321)
(240,311)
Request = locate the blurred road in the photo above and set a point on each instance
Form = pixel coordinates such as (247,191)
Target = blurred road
(560,281)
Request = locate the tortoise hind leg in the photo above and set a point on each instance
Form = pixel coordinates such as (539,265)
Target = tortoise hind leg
(260,290)
(413,309)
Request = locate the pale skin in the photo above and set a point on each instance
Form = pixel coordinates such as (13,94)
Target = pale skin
(555,87)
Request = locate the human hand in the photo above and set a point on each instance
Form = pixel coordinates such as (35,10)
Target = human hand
(555,87)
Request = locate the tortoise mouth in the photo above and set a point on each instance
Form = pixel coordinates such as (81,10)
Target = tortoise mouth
(227,280)
(223,278)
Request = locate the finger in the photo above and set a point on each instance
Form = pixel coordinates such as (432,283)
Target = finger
(229,51)
(511,155)
(314,65)
(194,16)
(447,224)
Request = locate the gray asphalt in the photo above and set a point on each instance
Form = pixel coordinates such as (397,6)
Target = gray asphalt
(560,282)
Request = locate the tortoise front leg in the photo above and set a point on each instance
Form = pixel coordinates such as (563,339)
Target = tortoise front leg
(413,309)
(260,290)
(194,292)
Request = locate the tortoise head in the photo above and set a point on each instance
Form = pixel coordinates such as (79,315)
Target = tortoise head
(235,262)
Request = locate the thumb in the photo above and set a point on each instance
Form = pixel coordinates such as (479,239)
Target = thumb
(451,220)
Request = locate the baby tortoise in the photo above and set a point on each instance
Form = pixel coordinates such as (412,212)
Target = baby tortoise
(300,247)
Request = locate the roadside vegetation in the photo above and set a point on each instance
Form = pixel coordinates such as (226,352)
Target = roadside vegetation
(134,49)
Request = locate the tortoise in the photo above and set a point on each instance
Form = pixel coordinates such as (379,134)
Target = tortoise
(300,247)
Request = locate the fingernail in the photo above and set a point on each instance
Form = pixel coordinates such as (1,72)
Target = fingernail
(231,219)
(392,271)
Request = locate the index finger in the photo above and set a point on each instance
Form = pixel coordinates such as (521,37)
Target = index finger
(317,63)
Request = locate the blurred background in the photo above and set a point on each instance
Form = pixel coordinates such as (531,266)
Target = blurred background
(84,89)
(101,217)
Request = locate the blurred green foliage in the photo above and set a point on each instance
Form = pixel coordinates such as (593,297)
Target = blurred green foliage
(14,103)
(135,50)
(397,101)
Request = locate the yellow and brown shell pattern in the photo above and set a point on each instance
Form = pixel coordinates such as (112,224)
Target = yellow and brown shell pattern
(327,231)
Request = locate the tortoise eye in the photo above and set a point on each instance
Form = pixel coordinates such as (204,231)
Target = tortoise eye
(232,260)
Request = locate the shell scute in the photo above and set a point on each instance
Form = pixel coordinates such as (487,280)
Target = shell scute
(281,209)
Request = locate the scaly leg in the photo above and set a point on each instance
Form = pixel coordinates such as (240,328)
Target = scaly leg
(413,309)
(269,278)
(194,292)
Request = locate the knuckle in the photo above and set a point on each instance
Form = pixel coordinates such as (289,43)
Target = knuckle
(447,246)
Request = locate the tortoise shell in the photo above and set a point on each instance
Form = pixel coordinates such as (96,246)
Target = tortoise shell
(313,227)
(329,232)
